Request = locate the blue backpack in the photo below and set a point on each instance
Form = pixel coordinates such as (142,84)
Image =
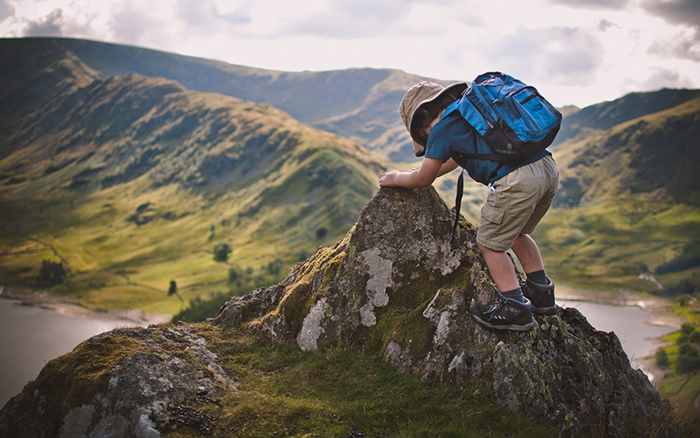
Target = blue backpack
(514,119)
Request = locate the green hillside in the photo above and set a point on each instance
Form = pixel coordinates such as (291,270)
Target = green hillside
(629,204)
(360,104)
(131,182)
(82,121)
(605,115)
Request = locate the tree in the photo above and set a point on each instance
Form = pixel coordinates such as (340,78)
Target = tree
(321,233)
(51,272)
(173,288)
(221,252)
(173,291)
(661,358)
(275,267)
(688,359)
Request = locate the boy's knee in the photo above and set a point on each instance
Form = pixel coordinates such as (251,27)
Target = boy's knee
(485,249)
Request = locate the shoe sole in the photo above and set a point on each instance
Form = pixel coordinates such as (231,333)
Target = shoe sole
(517,328)
(545,310)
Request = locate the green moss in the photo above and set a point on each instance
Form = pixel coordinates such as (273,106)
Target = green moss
(303,294)
(407,327)
(77,376)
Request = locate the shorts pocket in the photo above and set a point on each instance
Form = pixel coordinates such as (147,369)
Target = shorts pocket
(492,214)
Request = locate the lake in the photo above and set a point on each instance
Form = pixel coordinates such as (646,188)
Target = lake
(31,336)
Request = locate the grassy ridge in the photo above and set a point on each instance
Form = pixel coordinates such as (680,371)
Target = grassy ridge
(359,104)
(607,244)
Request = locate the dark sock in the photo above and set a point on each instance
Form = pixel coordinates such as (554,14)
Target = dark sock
(538,277)
(515,294)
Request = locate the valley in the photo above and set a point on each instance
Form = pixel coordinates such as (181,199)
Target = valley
(112,164)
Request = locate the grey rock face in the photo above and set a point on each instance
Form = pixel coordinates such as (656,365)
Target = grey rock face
(399,286)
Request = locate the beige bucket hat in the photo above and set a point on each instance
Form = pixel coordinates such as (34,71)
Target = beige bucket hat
(417,95)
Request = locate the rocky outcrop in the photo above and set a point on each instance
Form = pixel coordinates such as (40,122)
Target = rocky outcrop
(398,285)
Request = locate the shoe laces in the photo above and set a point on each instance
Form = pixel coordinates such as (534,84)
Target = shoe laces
(495,306)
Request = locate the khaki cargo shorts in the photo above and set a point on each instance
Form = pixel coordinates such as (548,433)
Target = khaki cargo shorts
(519,202)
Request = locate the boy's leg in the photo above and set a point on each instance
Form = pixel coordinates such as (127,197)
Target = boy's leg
(501,269)
(512,311)
(538,288)
(528,253)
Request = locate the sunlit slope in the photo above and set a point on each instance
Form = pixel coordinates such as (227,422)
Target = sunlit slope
(132,181)
(629,203)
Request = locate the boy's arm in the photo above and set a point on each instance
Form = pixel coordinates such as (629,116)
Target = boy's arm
(447,167)
(430,169)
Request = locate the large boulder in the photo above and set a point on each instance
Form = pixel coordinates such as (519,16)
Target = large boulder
(122,384)
(398,284)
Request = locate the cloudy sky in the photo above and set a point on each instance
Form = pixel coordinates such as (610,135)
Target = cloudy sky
(576,52)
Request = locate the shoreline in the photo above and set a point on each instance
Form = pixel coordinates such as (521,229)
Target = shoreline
(659,316)
(70,308)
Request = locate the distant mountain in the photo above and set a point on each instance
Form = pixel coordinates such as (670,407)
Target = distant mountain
(655,153)
(360,104)
(605,115)
(133,178)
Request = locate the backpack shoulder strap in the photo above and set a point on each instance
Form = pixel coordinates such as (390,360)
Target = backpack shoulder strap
(458,203)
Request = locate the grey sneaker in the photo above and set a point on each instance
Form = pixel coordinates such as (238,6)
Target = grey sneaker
(541,296)
(505,314)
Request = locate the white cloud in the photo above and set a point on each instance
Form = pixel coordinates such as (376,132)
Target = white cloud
(50,25)
(579,51)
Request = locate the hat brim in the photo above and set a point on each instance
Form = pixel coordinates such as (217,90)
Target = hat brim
(419,149)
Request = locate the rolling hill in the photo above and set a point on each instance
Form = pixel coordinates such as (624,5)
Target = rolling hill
(131,181)
(580,123)
(360,104)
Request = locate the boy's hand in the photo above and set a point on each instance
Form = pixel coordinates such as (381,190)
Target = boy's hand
(422,177)
(388,179)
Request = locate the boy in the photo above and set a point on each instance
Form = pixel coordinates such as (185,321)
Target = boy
(520,196)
